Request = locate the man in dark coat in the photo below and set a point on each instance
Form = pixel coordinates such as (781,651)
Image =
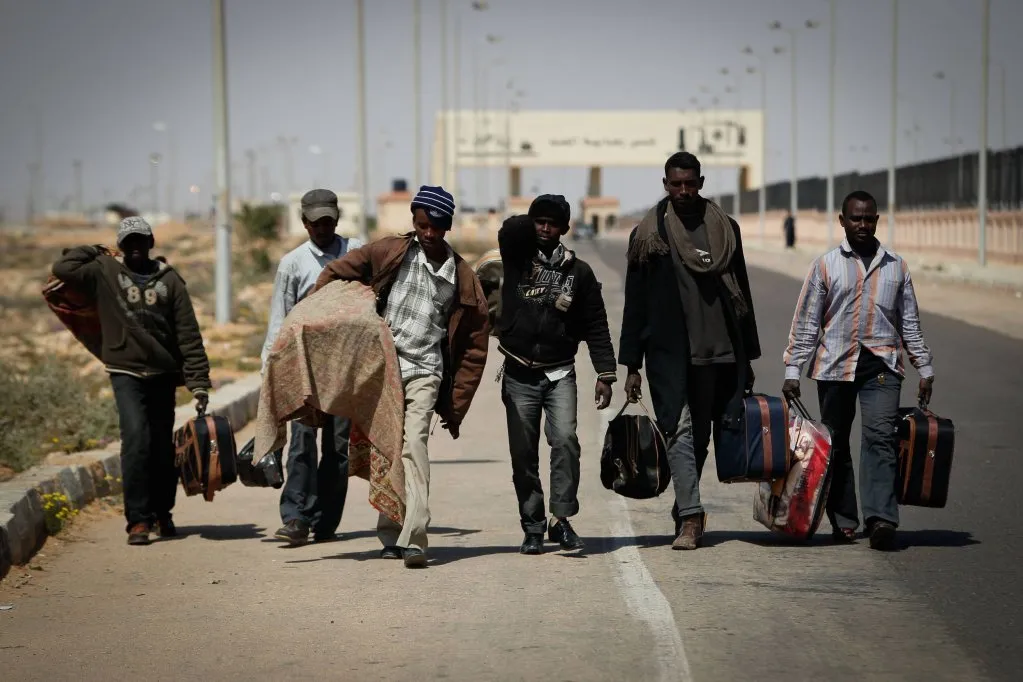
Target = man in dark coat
(689,315)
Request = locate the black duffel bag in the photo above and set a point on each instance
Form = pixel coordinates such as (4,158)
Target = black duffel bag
(267,473)
(634,462)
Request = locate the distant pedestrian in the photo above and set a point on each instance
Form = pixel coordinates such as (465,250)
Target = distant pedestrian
(689,315)
(314,495)
(790,230)
(437,312)
(151,345)
(855,314)
(550,302)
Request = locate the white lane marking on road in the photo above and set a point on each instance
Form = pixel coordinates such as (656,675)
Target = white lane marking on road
(644,599)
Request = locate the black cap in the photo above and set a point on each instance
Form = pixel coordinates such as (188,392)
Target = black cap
(320,203)
(553,206)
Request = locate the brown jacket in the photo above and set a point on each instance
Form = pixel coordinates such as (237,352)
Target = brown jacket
(465,354)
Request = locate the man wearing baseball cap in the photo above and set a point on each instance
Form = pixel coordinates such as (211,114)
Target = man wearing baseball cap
(550,301)
(313,497)
(437,312)
(151,345)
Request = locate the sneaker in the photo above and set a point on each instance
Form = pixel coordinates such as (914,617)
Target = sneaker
(532,544)
(390,553)
(882,536)
(561,531)
(294,532)
(414,558)
(691,533)
(138,534)
(166,528)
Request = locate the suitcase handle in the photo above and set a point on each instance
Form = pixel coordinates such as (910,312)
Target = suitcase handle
(653,420)
(800,408)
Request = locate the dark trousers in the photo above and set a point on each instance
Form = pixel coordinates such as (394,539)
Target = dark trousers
(149,478)
(879,404)
(528,394)
(709,388)
(315,494)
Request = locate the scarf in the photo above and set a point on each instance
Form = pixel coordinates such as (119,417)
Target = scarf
(721,238)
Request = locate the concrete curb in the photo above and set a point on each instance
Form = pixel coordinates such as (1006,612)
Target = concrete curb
(86,476)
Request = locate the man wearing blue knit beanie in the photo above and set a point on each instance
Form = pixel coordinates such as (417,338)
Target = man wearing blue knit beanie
(437,311)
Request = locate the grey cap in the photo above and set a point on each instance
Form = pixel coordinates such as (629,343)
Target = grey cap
(320,203)
(133,225)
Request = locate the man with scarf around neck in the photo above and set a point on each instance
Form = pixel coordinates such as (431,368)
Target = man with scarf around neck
(689,315)
(856,312)
(550,301)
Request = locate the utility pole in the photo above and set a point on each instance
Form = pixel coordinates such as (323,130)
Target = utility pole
(221,167)
(831,127)
(445,122)
(361,117)
(79,202)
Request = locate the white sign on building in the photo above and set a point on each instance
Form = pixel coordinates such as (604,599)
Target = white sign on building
(722,138)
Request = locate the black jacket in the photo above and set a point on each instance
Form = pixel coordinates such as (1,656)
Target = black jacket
(148,329)
(533,329)
(654,326)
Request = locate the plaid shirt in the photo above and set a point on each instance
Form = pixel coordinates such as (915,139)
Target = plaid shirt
(855,304)
(417,312)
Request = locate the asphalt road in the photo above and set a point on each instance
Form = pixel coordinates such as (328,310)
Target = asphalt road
(964,561)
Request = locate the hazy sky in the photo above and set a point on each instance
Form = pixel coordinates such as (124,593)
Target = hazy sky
(87,79)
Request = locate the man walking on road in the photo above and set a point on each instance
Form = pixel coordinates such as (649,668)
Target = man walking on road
(151,345)
(550,301)
(434,304)
(856,312)
(313,496)
(689,314)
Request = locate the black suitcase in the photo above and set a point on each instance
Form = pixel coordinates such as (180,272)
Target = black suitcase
(926,445)
(266,473)
(634,460)
(205,454)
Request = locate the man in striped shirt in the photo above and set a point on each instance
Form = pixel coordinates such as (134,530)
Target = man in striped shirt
(856,313)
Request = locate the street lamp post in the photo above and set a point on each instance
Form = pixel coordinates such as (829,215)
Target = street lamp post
(953,145)
(418,87)
(79,201)
(762,194)
(893,140)
(982,160)
(363,154)
(831,125)
(794,191)
(221,167)
(154,182)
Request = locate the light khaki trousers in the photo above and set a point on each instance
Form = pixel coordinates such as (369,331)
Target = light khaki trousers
(420,399)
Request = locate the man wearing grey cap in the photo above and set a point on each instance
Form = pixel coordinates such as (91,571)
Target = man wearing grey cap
(151,345)
(313,496)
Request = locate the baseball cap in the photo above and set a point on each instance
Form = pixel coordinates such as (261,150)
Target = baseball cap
(320,203)
(133,225)
(553,206)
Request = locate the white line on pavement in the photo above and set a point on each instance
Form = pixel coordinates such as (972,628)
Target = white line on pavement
(645,600)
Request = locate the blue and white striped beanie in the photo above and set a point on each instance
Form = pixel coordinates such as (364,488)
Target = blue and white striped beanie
(438,204)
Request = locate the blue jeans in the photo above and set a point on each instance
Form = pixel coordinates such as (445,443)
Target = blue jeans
(315,494)
(528,394)
(879,406)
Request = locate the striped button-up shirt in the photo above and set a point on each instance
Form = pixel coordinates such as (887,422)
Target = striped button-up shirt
(846,304)
(417,312)
(296,277)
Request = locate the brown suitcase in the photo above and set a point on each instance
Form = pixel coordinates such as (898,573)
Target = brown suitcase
(205,453)
(926,445)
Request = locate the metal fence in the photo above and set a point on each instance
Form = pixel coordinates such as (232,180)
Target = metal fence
(942,183)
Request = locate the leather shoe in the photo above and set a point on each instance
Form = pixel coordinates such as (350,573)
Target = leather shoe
(532,544)
(390,553)
(414,558)
(691,534)
(562,532)
(882,536)
(294,532)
